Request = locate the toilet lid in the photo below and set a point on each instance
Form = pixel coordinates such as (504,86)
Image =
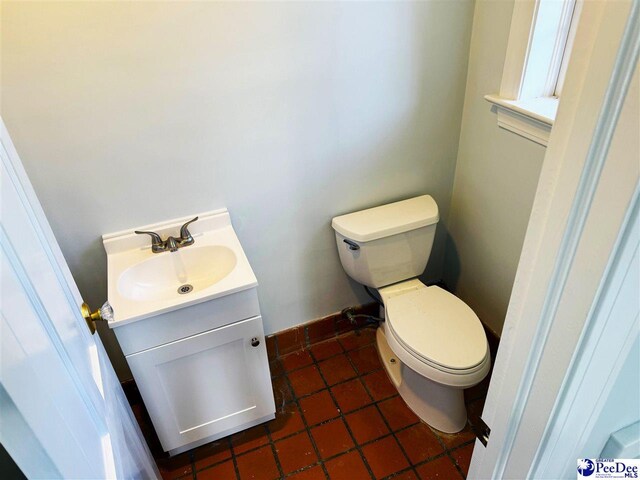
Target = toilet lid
(437,326)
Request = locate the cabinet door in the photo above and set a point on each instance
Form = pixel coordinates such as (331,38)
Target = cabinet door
(205,384)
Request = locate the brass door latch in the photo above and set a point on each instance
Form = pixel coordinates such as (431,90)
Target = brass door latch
(104,313)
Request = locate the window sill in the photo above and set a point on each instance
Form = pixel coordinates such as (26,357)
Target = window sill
(531,119)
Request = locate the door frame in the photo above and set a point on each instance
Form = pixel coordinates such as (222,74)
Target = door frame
(585,197)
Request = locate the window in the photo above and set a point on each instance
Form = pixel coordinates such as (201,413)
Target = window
(538,52)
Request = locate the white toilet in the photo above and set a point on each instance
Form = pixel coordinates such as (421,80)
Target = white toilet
(432,344)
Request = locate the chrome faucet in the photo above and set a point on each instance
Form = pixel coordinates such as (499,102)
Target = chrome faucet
(171,244)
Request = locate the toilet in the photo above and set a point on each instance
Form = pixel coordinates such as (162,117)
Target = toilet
(432,344)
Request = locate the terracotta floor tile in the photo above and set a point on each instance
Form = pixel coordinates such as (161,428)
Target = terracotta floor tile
(337,369)
(366,424)
(439,469)
(249,439)
(287,422)
(313,473)
(306,380)
(322,351)
(295,452)
(224,471)
(281,390)
(211,453)
(321,329)
(385,457)
(296,360)
(318,407)
(258,465)
(365,359)
(358,338)
(452,440)
(379,385)
(462,456)
(351,395)
(332,438)
(276,368)
(419,442)
(347,467)
(290,340)
(408,475)
(175,467)
(397,414)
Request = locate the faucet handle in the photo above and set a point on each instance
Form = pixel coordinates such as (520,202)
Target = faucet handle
(156,241)
(185,235)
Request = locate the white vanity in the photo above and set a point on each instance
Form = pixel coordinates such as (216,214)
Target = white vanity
(189,325)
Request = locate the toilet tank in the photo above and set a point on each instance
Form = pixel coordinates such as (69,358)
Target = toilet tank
(387,244)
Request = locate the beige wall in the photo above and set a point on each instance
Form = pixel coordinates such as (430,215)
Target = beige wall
(128,113)
(495,181)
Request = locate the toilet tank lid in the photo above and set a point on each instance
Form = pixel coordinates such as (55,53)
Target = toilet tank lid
(387,220)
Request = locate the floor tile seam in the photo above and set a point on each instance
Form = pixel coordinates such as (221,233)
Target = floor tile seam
(384,419)
(313,442)
(401,472)
(342,416)
(315,360)
(303,469)
(215,464)
(430,459)
(308,429)
(192,461)
(289,388)
(394,436)
(234,460)
(274,452)
(455,464)
(342,382)
(437,432)
(376,403)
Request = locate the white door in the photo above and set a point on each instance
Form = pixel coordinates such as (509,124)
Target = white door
(63,413)
(572,320)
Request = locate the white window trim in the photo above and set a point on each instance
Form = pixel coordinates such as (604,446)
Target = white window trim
(531,118)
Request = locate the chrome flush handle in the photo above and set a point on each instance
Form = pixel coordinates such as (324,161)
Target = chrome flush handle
(352,245)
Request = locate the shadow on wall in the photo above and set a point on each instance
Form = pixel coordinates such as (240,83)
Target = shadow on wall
(453,267)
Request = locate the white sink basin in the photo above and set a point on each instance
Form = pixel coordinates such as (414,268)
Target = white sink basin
(166,276)
(142,284)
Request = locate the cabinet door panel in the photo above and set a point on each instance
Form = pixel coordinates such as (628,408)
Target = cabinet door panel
(205,384)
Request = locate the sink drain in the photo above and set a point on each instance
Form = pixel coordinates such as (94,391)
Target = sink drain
(186,288)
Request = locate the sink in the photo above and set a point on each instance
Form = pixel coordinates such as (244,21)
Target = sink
(142,284)
(164,276)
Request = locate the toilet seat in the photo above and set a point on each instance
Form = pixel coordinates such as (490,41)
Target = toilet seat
(437,334)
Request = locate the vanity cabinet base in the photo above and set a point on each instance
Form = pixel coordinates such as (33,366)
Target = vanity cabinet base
(206,386)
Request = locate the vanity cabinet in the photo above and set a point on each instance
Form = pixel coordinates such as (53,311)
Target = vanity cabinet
(202,371)
(205,385)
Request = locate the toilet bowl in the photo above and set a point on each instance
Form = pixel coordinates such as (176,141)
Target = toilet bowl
(432,344)
(433,347)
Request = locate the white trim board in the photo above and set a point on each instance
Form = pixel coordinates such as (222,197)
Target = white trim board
(583,194)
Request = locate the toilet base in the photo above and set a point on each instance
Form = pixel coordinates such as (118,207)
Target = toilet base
(440,406)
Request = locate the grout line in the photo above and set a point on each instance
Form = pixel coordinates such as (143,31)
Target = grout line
(357,445)
(377,407)
(274,452)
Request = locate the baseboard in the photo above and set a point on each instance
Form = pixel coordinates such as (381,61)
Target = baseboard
(305,335)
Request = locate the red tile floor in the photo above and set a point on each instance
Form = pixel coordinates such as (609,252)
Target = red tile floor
(338,417)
